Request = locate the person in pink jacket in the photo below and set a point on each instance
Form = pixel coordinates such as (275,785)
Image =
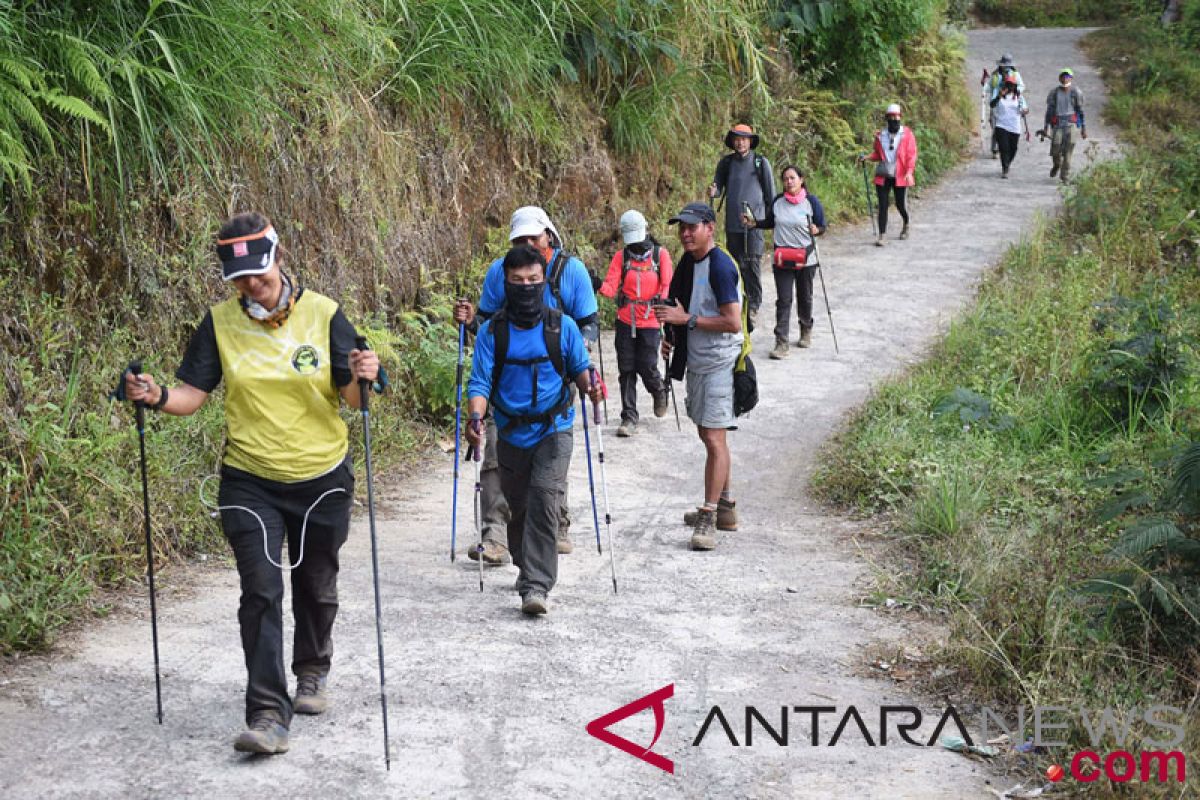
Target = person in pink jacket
(895,157)
(638,273)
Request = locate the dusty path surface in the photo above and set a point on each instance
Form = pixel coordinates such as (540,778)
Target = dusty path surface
(485,703)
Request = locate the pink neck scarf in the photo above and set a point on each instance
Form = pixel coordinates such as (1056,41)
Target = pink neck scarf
(797,198)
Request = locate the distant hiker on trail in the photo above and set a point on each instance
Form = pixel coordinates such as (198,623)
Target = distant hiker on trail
(797,216)
(1009,109)
(568,288)
(286,355)
(526,357)
(1064,113)
(704,311)
(1006,68)
(744,178)
(895,157)
(638,273)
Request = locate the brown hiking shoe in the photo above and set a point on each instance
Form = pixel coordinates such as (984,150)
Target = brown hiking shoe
(311,697)
(781,350)
(266,735)
(626,429)
(727,518)
(904,231)
(704,535)
(880,241)
(805,338)
(563,543)
(660,404)
(494,553)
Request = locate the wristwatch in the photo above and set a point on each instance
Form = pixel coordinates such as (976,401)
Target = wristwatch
(691,323)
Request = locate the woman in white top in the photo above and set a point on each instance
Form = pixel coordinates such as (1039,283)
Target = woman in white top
(1008,108)
(797,216)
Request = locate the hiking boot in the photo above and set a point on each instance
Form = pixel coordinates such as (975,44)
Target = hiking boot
(904,231)
(265,735)
(660,404)
(1063,176)
(494,553)
(562,542)
(704,535)
(880,241)
(752,320)
(534,603)
(781,350)
(805,338)
(1004,172)
(1054,170)
(627,429)
(727,519)
(311,697)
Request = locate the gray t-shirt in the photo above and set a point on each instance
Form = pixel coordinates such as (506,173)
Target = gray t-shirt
(741,185)
(707,351)
(792,223)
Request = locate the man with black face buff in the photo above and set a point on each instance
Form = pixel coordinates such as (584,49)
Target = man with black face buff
(526,358)
(568,287)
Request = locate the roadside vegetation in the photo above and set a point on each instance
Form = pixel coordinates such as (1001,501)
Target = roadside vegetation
(390,141)
(1040,472)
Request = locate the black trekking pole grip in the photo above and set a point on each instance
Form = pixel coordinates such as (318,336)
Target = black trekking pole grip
(596,415)
(364,385)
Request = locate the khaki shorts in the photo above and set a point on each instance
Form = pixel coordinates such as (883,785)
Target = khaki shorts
(709,399)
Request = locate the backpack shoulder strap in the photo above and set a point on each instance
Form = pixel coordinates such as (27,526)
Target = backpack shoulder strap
(552,333)
(557,267)
(759,161)
(500,334)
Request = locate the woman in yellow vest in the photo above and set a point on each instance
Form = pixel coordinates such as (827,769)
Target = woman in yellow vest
(286,354)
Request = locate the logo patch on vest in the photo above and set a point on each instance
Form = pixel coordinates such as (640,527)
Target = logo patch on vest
(305,360)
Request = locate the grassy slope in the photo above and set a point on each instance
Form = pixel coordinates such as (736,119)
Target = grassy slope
(1045,426)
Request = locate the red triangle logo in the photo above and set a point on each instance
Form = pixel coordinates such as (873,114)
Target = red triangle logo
(656,700)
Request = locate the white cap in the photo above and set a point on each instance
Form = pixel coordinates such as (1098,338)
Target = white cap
(530,221)
(894,108)
(633,227)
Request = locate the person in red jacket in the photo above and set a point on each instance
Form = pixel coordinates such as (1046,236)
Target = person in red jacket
(638,273)
(895,155)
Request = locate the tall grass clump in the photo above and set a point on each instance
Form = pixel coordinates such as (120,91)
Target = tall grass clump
(1042,465)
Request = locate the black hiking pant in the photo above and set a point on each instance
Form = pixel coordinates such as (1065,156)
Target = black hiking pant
(637,357)
(787,281)
(282,507)
(881,194)
(531,478)
(747,249)
(1008,142)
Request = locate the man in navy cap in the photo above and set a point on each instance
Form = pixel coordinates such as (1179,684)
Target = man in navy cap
(704,310)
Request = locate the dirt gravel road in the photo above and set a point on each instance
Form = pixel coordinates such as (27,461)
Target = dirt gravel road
(485,703)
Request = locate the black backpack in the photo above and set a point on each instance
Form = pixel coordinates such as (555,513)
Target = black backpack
(552,335)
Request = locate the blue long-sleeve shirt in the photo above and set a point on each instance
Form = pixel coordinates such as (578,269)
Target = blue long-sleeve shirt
(514,395)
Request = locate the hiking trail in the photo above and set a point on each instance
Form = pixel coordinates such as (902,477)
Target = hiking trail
(486,703)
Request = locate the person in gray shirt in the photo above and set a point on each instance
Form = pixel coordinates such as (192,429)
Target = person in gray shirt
(1064,113)
(744,177)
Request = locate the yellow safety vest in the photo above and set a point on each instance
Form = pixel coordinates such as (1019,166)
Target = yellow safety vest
(281,407)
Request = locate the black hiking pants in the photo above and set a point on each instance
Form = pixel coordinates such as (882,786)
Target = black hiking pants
(747,249)
(531,478)
(637,358)
(282,507)
(787,281)
(881,194)
(1008,142)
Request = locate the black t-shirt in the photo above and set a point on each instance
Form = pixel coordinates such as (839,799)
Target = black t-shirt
(201,365)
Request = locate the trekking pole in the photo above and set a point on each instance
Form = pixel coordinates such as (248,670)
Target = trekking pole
(364,388)
(458,386)
(587,447)
(671,387)
(821,275)
(983,110)
(600,348)
(612,556)
(870,203)
(473,455)
(135,367)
